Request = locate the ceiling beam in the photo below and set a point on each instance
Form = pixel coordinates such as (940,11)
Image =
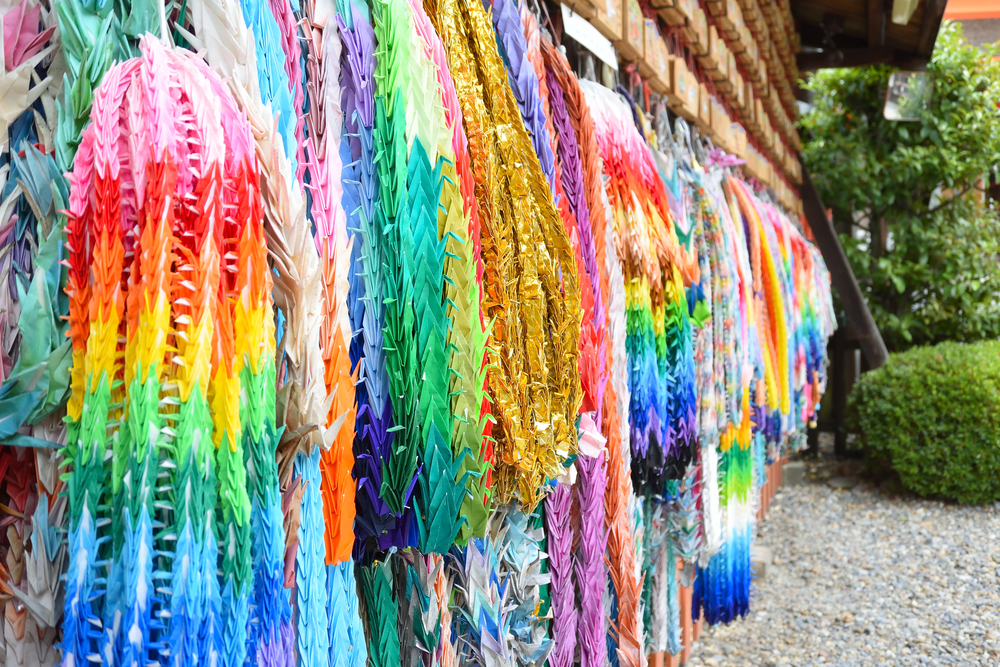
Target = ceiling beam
(933,14)
(845,58)
(876,23)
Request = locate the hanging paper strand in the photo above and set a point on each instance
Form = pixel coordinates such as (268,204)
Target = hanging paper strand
(296,78)
(392,220)
(524,82)
(467,338)
(592,352)
(533,43)
(682,401)
(519,566)
(194,624)
(35,357)
(270,636)
(657,579)
(665,632)
(311,620)
(616,395)
(625,640)
(87,46)
(335,243)
(704,387)
(410,619)
(481,620)
(641,545)
(559,545)
(572,182)
(381,603)
(343,642)
(201,230)
(549,396)
(591,573)
(374,415)
(96,249)
(686,518)
(649,538)
(243,269)
(326,528)
(347,643)
(435,212)
(443,585)
(776,310)
(675,431)
(272,81)
(643,282)
(149,332)
(673,603)
(224,36)
(298,295)
(423,618)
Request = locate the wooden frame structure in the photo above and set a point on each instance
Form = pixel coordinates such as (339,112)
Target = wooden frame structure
(841,274)
(854,33)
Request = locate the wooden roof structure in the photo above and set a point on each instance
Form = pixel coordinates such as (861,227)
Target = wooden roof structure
(852,33)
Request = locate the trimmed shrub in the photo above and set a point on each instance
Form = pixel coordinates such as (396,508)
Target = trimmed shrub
(933,415)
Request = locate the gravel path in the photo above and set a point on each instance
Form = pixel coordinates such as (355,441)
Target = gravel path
(860,579)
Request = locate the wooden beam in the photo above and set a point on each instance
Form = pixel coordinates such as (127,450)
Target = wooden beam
(845,58)
(876,23)
(841,273)
(933,14)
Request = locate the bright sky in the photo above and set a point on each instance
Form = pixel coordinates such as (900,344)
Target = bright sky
(972,9)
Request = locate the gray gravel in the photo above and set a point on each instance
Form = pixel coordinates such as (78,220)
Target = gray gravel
(860,579)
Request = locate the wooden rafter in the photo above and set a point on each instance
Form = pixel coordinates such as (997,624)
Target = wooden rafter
(876,23)
(841,274)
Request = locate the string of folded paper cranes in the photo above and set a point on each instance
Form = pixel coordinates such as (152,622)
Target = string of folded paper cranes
(337,333)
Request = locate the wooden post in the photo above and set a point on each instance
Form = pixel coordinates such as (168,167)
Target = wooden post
(767,487)
(842,370)
(687,628)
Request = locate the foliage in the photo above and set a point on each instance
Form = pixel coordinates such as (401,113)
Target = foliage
(933,414)
(925,242)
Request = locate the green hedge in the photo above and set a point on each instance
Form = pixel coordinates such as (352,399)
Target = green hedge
(933,414)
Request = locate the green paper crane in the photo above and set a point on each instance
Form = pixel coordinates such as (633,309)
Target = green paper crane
(391,217)
(440,488)
(381,604)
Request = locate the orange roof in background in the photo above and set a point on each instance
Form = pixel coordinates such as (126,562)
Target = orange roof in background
(959,10)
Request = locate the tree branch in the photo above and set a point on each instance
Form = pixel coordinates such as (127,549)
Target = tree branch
(951,199)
